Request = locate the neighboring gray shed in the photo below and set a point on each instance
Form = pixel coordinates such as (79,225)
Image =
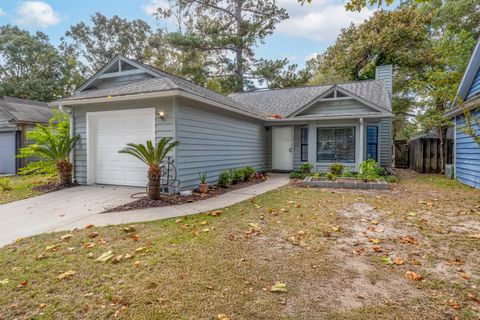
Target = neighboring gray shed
(17,116)
(127,101)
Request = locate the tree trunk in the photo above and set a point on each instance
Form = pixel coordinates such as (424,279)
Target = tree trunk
(239,72)
(154,174)
(442,134)
(64,169)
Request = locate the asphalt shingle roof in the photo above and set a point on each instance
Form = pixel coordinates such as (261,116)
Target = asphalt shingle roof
(26,111)
(164,82)
(263,103)
(286,101)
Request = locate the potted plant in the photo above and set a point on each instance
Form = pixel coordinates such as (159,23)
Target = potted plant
(203,186)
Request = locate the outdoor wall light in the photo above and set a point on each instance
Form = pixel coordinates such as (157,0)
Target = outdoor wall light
(161,114)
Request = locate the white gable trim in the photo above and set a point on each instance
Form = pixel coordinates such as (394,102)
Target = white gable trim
(349,95)
(100,74)
(470,72)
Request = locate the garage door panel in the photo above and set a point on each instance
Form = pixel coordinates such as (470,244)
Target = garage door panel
(112,134)
(7,152)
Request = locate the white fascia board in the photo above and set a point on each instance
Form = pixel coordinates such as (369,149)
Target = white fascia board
(334,117)
(170,93)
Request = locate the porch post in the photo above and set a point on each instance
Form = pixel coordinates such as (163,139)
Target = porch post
(312,144)
(361,138)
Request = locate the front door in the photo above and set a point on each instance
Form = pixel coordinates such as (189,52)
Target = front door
(282,149)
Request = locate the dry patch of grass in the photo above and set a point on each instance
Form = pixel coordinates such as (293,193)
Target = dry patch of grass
(21,187)
(337,252)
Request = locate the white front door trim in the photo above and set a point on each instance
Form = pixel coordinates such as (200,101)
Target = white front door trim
(92,119)
(282,148)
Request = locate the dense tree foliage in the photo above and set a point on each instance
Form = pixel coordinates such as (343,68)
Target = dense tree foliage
(32,68)
(227,31)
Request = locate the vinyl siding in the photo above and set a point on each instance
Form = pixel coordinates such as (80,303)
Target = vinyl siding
(338,107)
(4,122)
(385,142)
(163,127)
(297,136)
(467,166)
(475,88)
(212,140)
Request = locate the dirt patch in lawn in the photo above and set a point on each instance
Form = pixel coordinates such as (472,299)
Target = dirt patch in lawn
(176,199)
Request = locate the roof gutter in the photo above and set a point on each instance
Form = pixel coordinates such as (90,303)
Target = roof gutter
(160,94)
(460,110)
(323,118)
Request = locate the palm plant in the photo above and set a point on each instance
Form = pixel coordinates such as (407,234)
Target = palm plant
(57,149)
(153,156)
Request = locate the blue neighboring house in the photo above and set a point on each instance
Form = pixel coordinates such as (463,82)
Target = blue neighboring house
(467,152)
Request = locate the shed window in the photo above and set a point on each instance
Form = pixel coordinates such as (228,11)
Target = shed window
(304,145)
(336,144)
(372,142)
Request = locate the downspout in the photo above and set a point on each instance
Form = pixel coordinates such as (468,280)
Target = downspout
(72,153)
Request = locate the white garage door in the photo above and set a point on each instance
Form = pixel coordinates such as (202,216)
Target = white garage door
(113,130)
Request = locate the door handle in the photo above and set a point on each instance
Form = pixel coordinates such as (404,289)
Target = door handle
(290,150)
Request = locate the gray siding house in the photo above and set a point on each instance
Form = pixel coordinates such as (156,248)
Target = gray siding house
(127,101)
(17,117)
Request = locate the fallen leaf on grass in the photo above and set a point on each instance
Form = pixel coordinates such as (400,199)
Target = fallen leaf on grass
(23,284)
(377,248)
(472,297)
(413,276)
(140,249)
(222,316)
(216,213)
(93,235)
(117,259)
(51,248)
(89,245)
(66,237)
(104,257)
(89,226)
(465,276)
(279,287)
(398,261)
(134,237)
(66,275)
(454,303)
(475,236)
(335,229)
(129,229)
(42,305)
(374,240)
(407,240)
(4,281)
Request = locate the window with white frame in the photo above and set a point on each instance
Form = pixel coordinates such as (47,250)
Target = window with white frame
(336,144)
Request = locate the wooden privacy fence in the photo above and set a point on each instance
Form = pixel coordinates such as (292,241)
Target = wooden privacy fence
(424,154)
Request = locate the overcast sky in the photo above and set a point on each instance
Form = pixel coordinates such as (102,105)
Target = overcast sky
(310,29)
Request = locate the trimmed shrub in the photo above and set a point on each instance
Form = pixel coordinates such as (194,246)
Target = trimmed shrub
(306,167)
(330,176)
(6,184)
(336,168)
(237,175)
(392,179)
(368,170)
(297,175)
(224,179)
(248,173)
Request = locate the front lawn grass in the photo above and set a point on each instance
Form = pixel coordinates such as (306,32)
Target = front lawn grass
(318,242)
(22,187)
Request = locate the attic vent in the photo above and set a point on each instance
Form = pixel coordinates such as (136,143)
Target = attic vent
(335,94)
(126,66)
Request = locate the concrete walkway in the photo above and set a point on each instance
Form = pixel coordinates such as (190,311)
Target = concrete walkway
(79,206)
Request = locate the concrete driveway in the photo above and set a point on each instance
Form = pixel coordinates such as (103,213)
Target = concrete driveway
(53,210)
(76,207)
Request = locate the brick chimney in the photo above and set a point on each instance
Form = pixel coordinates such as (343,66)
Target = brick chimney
(385,72)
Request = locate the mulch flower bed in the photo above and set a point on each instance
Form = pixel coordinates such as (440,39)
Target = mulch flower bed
(176,199)
(51,187)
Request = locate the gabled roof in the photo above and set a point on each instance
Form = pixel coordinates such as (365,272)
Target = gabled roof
(285,102)
(160,82)
(470,73)
(468,77)
(259,104)
(26,111)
